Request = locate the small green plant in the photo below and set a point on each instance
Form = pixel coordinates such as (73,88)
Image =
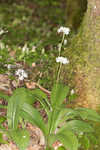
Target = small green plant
(63,124)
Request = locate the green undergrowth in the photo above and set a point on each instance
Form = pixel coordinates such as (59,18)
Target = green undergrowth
(74,128)
(35,24)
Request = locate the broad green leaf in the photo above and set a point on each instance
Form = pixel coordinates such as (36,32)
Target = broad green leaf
(24,95)
(19,97)
(42,98)
(67,113)
(88,114)
(50,116)
(53,120)
(76,126)
(4,96)
(33,116)
(13,112)
(68,139)
(20,137)
(58,116)
(58,94)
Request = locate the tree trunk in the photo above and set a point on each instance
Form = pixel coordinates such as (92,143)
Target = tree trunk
(75,10)
(88,76)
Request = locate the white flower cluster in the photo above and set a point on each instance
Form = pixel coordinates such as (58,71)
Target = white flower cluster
(64,30)
(21,74)
(62,60)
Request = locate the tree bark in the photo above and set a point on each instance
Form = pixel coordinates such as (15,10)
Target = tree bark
(88,76)
(75,10)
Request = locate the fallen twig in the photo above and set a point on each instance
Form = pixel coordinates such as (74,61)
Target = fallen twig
(33,85)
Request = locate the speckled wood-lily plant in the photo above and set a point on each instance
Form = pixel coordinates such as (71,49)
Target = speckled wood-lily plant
(63,124)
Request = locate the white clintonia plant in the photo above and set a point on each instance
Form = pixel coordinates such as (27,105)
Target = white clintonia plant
(62,60)
(21,74)
(64,30)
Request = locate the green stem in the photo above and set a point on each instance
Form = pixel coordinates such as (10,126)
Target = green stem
(61,44)
(59,68)
(58,75)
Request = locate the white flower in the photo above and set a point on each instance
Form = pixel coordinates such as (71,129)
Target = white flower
(33,48)
(2,46)
(81,133)
(62,60)
(65,41)
(21,74)
(7,46)
(43,51)
(9,66)
(72,91)
(1,31)
(25,49)
(64,30)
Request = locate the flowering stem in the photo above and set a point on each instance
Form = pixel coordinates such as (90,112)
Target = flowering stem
(58,75)
(59,70)
(61,43)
